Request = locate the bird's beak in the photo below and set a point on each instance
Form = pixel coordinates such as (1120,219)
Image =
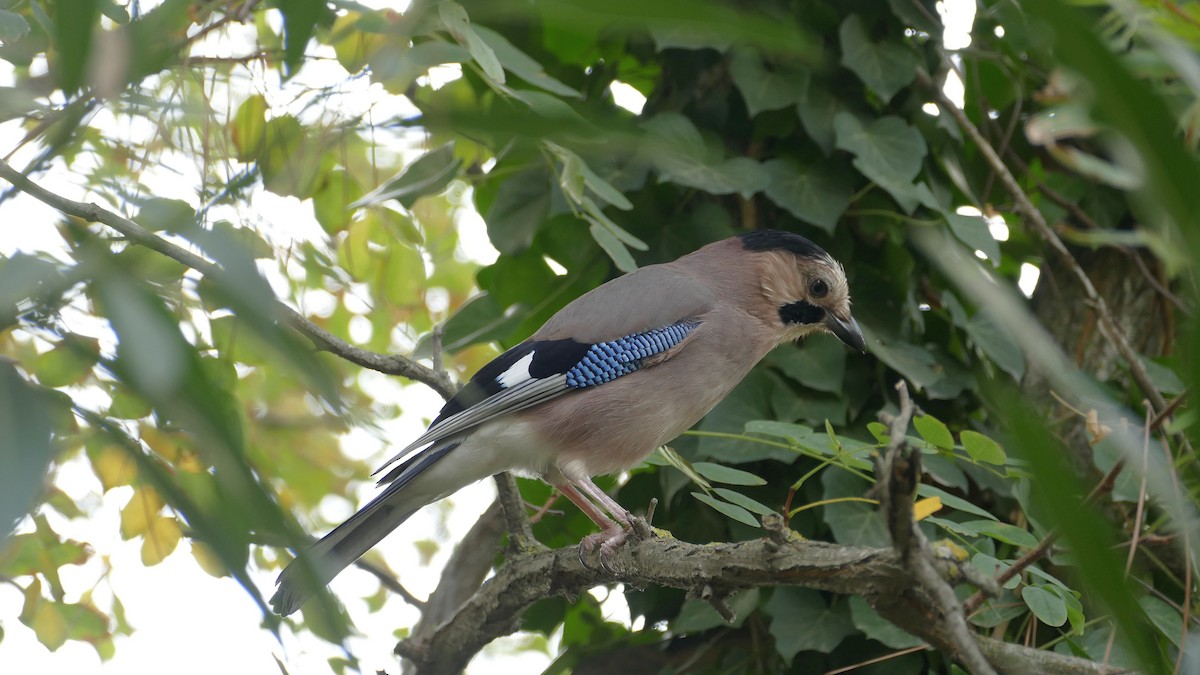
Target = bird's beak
(847,331)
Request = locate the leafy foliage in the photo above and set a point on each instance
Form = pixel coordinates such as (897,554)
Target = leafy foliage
(179,385)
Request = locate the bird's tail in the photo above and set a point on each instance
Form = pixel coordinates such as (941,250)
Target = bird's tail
(324,560)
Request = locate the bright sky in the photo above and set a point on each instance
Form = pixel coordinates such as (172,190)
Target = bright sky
(182,616)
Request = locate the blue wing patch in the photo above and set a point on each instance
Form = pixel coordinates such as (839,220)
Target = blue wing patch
(606,361)
(537,371)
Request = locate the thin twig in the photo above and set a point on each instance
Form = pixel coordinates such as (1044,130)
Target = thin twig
(389,582)
(1108,325)
(1038,552)
(320,338)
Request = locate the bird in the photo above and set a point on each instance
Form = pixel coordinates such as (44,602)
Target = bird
(616,373)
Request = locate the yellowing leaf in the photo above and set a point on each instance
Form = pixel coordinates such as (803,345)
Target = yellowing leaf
(137,515)
(160,442)
(160,539)
(208,560)
(926,507)
(114,468)
(44,618)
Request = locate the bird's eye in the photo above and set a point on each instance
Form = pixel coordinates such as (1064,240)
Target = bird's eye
(818,288)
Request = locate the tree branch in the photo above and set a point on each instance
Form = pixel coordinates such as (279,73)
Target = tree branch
(897,475)
(875,574)
(320,338)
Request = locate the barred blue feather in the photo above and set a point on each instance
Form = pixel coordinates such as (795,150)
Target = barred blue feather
(606,361)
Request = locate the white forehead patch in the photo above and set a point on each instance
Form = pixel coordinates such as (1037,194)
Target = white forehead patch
(516,373)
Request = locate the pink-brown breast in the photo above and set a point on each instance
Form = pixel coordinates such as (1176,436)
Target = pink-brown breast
(614,426)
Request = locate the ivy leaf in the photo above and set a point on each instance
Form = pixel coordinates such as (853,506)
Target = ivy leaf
(817,112)
(455,19)
(802,622)
(885,67)
(888,150)
(679,153)
(997,343)
(764,88)
(854,523)
(13,26)
(816,194)
(974,232)
(521,203)
(878,628)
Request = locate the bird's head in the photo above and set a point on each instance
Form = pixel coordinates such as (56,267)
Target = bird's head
(805,287)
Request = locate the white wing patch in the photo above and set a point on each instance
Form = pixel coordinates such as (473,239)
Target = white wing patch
(516,373)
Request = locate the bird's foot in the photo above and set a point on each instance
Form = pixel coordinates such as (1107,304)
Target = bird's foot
(611,539)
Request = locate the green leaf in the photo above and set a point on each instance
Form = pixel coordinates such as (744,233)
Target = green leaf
(739,499)
(696,615)
(1165,618)
(982,449)
(997,342)
(1046,605)
(678,151)
(68,363)
(459,25)
(973,231)
(248,128)
(819,364)
(520,64)
(613,246)
(1009,534)
(817,112)
(852,523)
(731,511)
(25,449)
(331,201)
(888,150)
(13,27)
(913,362)
(75,21)
(765,88)
(885,67)
(878,628)
(299,19)
(950,501)
(396,65)
(429,174)
(171,215)
(521,203)
(724,474)
(802,622)
(480,319)
(934,432)
(814,193)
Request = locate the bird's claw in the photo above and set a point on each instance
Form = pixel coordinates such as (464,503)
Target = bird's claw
(610,541)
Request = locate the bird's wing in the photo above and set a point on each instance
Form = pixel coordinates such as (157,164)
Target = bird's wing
(604,334)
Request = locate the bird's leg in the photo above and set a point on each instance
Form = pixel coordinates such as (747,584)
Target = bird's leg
(610,539)
(608,528)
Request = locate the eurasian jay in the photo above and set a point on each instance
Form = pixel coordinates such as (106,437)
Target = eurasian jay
(616,373)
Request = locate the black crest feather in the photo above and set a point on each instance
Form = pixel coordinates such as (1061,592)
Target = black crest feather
(774,240)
